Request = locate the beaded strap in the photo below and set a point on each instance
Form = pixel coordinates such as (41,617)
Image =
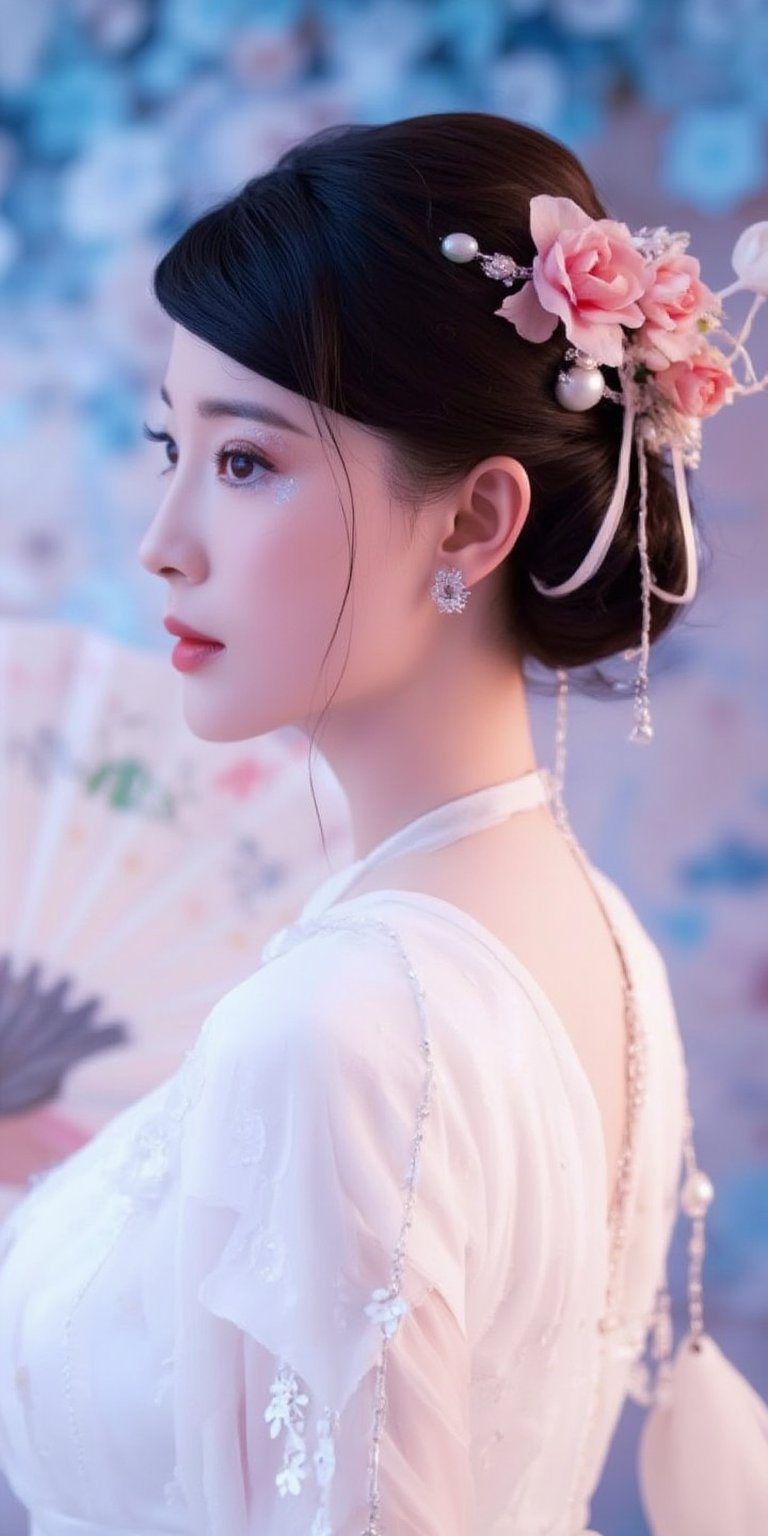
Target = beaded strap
(697,1192)
(695,1197)
(637,1068)
(385,1306)
(637,1064)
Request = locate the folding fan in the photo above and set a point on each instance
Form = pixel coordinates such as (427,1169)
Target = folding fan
(141,871)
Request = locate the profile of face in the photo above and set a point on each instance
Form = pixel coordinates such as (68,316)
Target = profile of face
(251,540)
(253,537)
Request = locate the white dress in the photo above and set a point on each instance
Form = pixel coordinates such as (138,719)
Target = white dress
(344,1271)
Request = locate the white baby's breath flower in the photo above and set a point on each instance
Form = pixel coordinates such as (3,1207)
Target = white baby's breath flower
(750,257)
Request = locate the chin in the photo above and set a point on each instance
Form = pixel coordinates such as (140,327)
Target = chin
(211,725)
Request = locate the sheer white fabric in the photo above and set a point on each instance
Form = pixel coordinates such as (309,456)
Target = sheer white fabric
(184,1342)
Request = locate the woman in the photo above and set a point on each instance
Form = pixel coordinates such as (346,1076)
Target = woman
(382,1256)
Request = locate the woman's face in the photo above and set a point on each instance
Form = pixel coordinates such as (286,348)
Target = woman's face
(254,545)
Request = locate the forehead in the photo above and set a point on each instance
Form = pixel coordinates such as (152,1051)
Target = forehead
(208,384)
(193,361)
(211,383)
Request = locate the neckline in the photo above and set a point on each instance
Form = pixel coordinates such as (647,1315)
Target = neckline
(441,824)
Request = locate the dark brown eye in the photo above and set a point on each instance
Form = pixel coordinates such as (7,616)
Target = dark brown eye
(240,464)
(237,465)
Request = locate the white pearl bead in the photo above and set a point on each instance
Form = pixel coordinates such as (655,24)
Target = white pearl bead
(578,389)
(697,1193)
(458,247)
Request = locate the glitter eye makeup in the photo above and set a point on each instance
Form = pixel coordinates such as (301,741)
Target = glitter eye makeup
(285,488)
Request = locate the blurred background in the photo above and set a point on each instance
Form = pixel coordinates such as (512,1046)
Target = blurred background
(120,120)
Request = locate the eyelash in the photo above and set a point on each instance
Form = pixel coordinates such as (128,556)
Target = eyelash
(245,450)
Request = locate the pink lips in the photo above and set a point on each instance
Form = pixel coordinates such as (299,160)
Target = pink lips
(188,654)
(192,648)
(176,627)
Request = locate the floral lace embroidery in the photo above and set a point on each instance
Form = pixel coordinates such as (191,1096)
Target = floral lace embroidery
(385,1305)
(263,1249)
(324,1459)
(140,1164)
(286,1408)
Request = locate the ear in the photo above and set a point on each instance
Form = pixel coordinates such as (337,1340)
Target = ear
(490,508)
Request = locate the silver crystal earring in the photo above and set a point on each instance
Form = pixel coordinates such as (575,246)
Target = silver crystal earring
(449,591)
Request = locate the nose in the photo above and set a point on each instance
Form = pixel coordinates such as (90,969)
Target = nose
(169,545)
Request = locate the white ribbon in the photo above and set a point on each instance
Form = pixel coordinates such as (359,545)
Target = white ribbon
(684,508)
(607,529)
(596,554)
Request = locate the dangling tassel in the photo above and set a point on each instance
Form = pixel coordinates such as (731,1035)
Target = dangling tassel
(561,730)
(642,730)
(703,1449)
(703,1458)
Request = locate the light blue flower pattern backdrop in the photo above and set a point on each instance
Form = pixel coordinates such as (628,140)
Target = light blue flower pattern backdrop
(119,121)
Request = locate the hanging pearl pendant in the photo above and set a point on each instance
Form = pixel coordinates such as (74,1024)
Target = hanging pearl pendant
(580,387)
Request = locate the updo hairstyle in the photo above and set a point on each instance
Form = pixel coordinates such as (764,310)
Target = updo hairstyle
(325,275)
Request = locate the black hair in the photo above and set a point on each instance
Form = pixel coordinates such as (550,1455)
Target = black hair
(325,274)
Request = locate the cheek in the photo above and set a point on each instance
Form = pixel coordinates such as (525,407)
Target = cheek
(283,587)
(380,633)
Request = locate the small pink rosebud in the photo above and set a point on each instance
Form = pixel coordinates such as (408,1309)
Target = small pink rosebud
(678,309)
(699,385)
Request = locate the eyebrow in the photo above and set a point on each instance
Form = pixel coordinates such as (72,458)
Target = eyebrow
(246,409)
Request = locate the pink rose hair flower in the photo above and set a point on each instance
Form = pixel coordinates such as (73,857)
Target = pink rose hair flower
(677,307)
(587,273)
(698,385)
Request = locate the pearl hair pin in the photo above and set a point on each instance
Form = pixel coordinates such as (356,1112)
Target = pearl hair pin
(578,388)
(459,248)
